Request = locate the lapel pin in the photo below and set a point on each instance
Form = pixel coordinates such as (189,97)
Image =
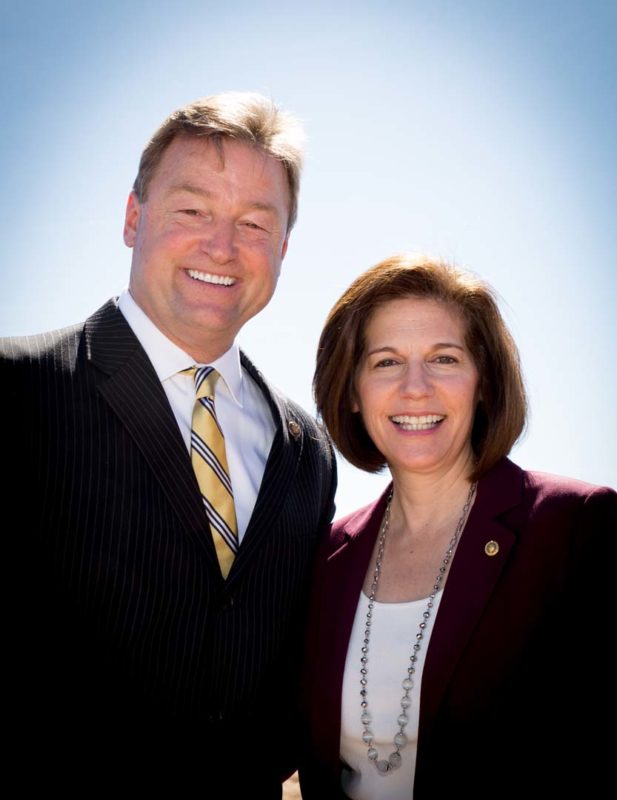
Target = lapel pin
(294,428)
(491,548)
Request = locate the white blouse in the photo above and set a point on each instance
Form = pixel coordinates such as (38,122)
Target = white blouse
(393,634)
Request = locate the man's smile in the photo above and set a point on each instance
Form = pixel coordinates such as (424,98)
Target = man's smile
(208,277)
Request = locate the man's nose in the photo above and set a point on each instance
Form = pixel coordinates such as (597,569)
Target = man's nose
(219,241)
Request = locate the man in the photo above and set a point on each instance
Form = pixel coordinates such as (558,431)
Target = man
(161,649)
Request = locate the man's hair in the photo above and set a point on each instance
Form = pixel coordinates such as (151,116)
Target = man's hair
(242,116)
(502,408)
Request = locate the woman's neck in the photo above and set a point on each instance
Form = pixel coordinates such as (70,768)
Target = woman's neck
(423,504)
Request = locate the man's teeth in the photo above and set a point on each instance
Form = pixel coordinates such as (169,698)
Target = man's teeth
(206,277)
(417,423)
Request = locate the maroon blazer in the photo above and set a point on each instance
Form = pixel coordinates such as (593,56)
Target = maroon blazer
(516,673)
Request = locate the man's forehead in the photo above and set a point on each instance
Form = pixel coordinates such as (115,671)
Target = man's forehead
(216,150)
(188,160)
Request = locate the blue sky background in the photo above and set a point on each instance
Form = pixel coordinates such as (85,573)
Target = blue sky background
(480,131)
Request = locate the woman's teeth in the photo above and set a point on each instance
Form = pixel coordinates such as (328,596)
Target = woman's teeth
(422,423)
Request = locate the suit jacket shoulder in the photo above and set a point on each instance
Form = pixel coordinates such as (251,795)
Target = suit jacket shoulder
(19,348)
(545,493)
(542,510)
(104,340)
(29,361)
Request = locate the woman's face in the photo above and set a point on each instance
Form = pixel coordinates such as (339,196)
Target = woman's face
(417,387)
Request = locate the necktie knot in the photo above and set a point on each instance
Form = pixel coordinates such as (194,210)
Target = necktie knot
(205,380)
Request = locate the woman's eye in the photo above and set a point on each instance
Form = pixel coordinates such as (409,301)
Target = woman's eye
(445,360)
(386,362)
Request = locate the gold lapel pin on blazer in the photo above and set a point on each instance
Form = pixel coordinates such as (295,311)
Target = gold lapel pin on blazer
(294,429)
(491,548)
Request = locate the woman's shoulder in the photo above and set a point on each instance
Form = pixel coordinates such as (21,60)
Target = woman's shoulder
(545,490)
(354,526)
(548,486)
(362,517)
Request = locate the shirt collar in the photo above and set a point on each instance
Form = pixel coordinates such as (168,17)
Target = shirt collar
(167,358)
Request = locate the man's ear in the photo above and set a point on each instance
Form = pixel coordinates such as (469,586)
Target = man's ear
(284,247)
(131,219)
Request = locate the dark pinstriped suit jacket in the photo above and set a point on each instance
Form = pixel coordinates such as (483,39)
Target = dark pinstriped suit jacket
(134,653)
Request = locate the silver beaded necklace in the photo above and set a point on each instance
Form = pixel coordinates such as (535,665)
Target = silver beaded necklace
(385,765)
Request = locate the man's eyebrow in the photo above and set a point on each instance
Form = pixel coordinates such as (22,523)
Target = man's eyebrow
(189,187)
(201,192)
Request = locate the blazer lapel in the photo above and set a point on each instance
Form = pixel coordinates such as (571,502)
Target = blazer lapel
(280,470)
(340,584)
(132,389)
(474,572)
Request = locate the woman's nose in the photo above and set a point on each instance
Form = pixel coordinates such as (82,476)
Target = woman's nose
(415,381)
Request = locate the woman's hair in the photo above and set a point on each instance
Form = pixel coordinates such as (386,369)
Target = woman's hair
(501,411)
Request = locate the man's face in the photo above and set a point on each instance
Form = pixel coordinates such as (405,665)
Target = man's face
(208,241)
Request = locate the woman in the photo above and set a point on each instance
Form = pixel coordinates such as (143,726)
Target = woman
(458,631)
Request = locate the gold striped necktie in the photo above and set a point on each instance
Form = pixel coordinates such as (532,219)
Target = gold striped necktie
(210,464)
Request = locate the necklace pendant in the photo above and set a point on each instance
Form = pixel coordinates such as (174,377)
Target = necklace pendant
(386,765)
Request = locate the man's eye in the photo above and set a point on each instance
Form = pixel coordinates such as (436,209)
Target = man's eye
(252,225)
(191,212)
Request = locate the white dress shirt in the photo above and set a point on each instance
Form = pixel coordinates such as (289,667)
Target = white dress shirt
(241,409)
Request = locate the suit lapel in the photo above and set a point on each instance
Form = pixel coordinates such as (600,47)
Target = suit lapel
(280,469)
(473,575)
(340,582)
(133,391)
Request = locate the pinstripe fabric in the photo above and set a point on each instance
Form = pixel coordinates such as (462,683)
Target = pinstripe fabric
(135,642)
